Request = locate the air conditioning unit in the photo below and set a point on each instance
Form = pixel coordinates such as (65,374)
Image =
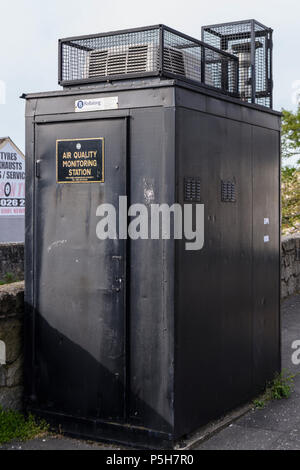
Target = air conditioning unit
(121,60)
(142,58)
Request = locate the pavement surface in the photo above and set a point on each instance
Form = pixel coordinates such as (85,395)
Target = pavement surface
(275,427)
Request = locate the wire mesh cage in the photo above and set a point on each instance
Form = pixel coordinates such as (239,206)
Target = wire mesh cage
(151,51)
(251,42)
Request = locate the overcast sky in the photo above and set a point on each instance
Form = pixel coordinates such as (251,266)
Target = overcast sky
(30,29)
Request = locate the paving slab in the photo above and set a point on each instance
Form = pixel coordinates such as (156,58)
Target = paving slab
(57,442)
(236,437)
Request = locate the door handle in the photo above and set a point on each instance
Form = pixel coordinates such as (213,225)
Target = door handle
(38,168)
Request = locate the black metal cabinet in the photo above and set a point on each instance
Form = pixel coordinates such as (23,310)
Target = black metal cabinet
(140,340)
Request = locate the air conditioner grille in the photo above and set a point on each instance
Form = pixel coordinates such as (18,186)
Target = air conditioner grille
(173,61)
(116,64)
(97,63)
(132,59)
(137,59)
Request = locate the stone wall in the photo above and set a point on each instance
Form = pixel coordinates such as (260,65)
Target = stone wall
(290,266)
(11,344)
(12,260)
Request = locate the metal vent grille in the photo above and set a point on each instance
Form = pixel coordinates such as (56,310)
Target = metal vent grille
(151,51)
(134,60)
(251,42)
(118,60)
(228,191)
(137,59)
(192,189)
(98,63)
(116,63)
(173,61)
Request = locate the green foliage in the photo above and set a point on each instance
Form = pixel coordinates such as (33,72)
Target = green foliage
(258,403)
(290,176)
(14,426)
(281,387)
(290,133)
(9,278)
(290,204)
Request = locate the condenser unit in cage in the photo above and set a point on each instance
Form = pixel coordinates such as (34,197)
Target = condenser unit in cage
(152,51)
(251,42)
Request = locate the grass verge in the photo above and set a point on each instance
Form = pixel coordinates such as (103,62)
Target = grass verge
(15,426)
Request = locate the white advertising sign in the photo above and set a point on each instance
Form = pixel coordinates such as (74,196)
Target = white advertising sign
(12,181)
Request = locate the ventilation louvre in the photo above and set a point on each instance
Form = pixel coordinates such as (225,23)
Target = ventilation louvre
(98,64)
(133,59)
(137,59)
(119,60)
(228,191)
(174,61)
(192,189)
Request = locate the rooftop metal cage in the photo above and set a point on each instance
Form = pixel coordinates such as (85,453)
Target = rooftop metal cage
(251,42)
(150,51)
